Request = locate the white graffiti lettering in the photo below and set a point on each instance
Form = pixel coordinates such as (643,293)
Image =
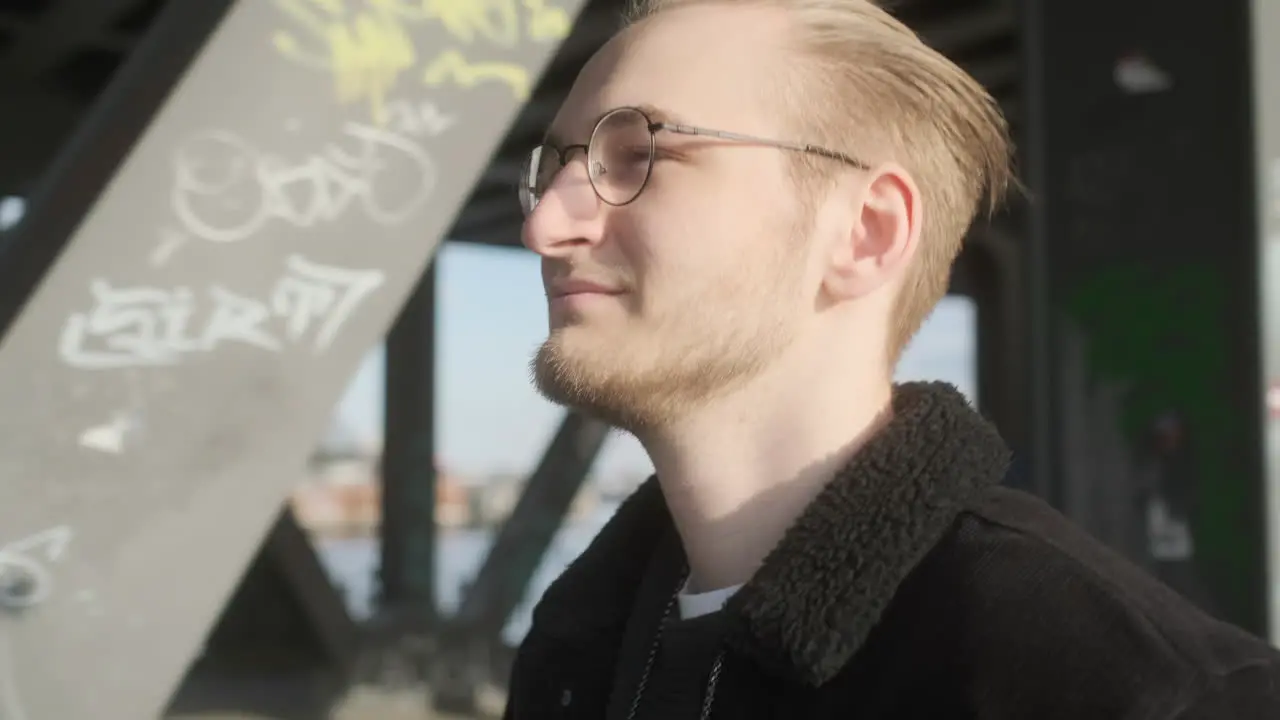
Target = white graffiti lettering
(226,190)
(146,327)
(25,576)
(426,118)
(316,293)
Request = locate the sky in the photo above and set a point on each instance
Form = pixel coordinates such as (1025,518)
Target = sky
(492,315)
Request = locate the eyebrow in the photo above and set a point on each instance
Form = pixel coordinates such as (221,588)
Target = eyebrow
(655,114)
(660,115)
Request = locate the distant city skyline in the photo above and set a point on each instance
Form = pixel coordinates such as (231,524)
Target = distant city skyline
(492,316)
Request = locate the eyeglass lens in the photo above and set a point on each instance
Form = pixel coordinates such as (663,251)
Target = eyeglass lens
(619,159)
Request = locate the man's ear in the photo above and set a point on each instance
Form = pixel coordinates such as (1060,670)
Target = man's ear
(883,232)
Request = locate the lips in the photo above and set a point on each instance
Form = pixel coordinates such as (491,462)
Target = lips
(574,286)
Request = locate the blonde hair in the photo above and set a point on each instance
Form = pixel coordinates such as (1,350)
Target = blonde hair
(869,86)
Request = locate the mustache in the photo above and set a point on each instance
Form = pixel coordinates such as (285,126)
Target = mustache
(580,273)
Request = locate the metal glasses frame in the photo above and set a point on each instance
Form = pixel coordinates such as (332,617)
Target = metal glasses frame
(654,127)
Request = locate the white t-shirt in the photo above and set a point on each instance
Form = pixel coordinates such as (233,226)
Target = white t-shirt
(694,605)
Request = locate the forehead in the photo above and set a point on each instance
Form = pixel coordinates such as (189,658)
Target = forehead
(711,64)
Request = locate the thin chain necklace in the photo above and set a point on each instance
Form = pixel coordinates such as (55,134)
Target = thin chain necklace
(708,695)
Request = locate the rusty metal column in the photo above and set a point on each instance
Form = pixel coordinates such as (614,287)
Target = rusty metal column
(407,573)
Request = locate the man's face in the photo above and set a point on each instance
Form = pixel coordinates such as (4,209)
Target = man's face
(706,268)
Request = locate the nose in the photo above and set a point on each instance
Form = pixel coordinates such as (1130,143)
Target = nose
(568,216)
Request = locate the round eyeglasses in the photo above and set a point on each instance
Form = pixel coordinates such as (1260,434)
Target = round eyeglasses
(620,152)
(619,159)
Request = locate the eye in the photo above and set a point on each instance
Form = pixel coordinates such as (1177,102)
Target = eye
(635,154)
(666,153)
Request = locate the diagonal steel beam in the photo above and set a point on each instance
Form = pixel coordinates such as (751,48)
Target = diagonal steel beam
(198,278)
(504,577)
(514,557)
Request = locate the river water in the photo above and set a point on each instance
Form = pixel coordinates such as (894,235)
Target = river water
(353,564)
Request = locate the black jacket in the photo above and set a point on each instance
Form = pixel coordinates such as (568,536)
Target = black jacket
(913,587)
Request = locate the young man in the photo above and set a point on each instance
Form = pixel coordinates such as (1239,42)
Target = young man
(744,211)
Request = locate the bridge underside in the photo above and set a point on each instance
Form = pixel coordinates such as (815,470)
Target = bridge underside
(1118,349)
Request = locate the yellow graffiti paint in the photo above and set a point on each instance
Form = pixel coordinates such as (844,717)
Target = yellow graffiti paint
(547,23)
(497,21)
(368,45)
(451,68)
(366,53)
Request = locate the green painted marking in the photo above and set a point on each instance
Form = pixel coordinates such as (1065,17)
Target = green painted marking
(1165,332)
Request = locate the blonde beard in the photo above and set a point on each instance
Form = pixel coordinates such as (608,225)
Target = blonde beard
(635,393)
(664,368)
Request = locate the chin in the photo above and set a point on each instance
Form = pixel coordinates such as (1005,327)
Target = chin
(640,380)
(593,378)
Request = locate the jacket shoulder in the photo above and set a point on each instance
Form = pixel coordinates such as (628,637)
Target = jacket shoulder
(1050,605)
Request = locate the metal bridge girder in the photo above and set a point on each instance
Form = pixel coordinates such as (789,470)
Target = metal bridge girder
(168,377)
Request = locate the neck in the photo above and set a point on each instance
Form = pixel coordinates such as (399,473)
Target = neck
(738,472)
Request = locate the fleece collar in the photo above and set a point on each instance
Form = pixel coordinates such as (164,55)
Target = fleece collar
(818,594)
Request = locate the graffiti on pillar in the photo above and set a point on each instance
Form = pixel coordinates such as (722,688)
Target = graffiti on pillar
(26,575)
(145,326)
(227,190)
(369,46)
(26,582)
(229,187)
(1149,427)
